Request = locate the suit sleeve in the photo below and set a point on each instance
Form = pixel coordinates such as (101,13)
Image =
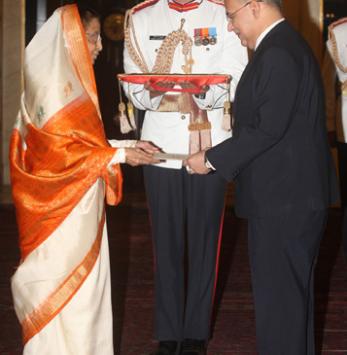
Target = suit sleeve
(275,87)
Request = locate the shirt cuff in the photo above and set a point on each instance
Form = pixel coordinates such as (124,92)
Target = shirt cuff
(144,98)
(205,103)
(209,165)
(118,158)
(125,143)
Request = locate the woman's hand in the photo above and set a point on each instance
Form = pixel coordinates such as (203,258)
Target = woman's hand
(137,156)
(147,147)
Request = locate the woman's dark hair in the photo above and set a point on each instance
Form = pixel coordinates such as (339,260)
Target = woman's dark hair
(87,13)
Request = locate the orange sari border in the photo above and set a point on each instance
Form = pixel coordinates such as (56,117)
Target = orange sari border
(78,49)
(51,176)
(44,313)
(65,157)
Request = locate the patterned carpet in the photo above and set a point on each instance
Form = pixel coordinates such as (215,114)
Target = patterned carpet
(132,284)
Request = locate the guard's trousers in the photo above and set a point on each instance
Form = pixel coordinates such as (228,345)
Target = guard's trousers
(186,211)
(283,251)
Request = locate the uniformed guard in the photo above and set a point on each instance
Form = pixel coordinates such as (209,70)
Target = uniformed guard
(337,47)
(180,37)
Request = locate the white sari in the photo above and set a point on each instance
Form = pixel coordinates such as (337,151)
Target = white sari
(59,165)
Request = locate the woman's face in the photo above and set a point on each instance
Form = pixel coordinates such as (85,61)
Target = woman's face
(92,29)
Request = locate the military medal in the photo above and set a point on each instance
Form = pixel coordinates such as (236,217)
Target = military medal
(197,37)
(205,38)
(212,33)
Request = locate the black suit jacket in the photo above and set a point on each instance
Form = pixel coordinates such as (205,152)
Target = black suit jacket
(279,155)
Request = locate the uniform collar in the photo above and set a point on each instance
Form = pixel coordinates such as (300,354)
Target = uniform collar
(191,5)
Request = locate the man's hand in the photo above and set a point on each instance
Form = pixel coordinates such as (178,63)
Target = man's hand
(164,87)
(192,88)
(195,164)
(137,156)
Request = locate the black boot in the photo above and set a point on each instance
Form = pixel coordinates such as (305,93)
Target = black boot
(193,347)
(166,348)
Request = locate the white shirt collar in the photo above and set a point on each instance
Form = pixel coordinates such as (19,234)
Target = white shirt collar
(267,30)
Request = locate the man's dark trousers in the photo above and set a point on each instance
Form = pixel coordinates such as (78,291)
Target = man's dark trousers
(283,250)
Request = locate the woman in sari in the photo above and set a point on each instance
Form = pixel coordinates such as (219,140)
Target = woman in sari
(61,169)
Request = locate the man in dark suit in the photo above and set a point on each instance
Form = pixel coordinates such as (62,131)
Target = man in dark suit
(280,161)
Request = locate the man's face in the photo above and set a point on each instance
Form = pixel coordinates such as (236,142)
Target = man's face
(241,20)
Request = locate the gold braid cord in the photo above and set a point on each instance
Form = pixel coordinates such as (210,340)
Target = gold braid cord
(164,59)
(335,53)
(135,53)
(344,88)
(200,137)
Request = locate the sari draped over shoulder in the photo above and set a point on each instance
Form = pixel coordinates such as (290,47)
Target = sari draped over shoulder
(60,174)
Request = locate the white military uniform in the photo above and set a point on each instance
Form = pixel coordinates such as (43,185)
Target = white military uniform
(170,130)
(337,46)
(178,201)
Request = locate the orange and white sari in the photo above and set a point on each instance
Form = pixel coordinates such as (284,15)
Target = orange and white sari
(60,173)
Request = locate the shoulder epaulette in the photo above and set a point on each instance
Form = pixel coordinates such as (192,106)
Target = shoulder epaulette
(143,5)
(218,2)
